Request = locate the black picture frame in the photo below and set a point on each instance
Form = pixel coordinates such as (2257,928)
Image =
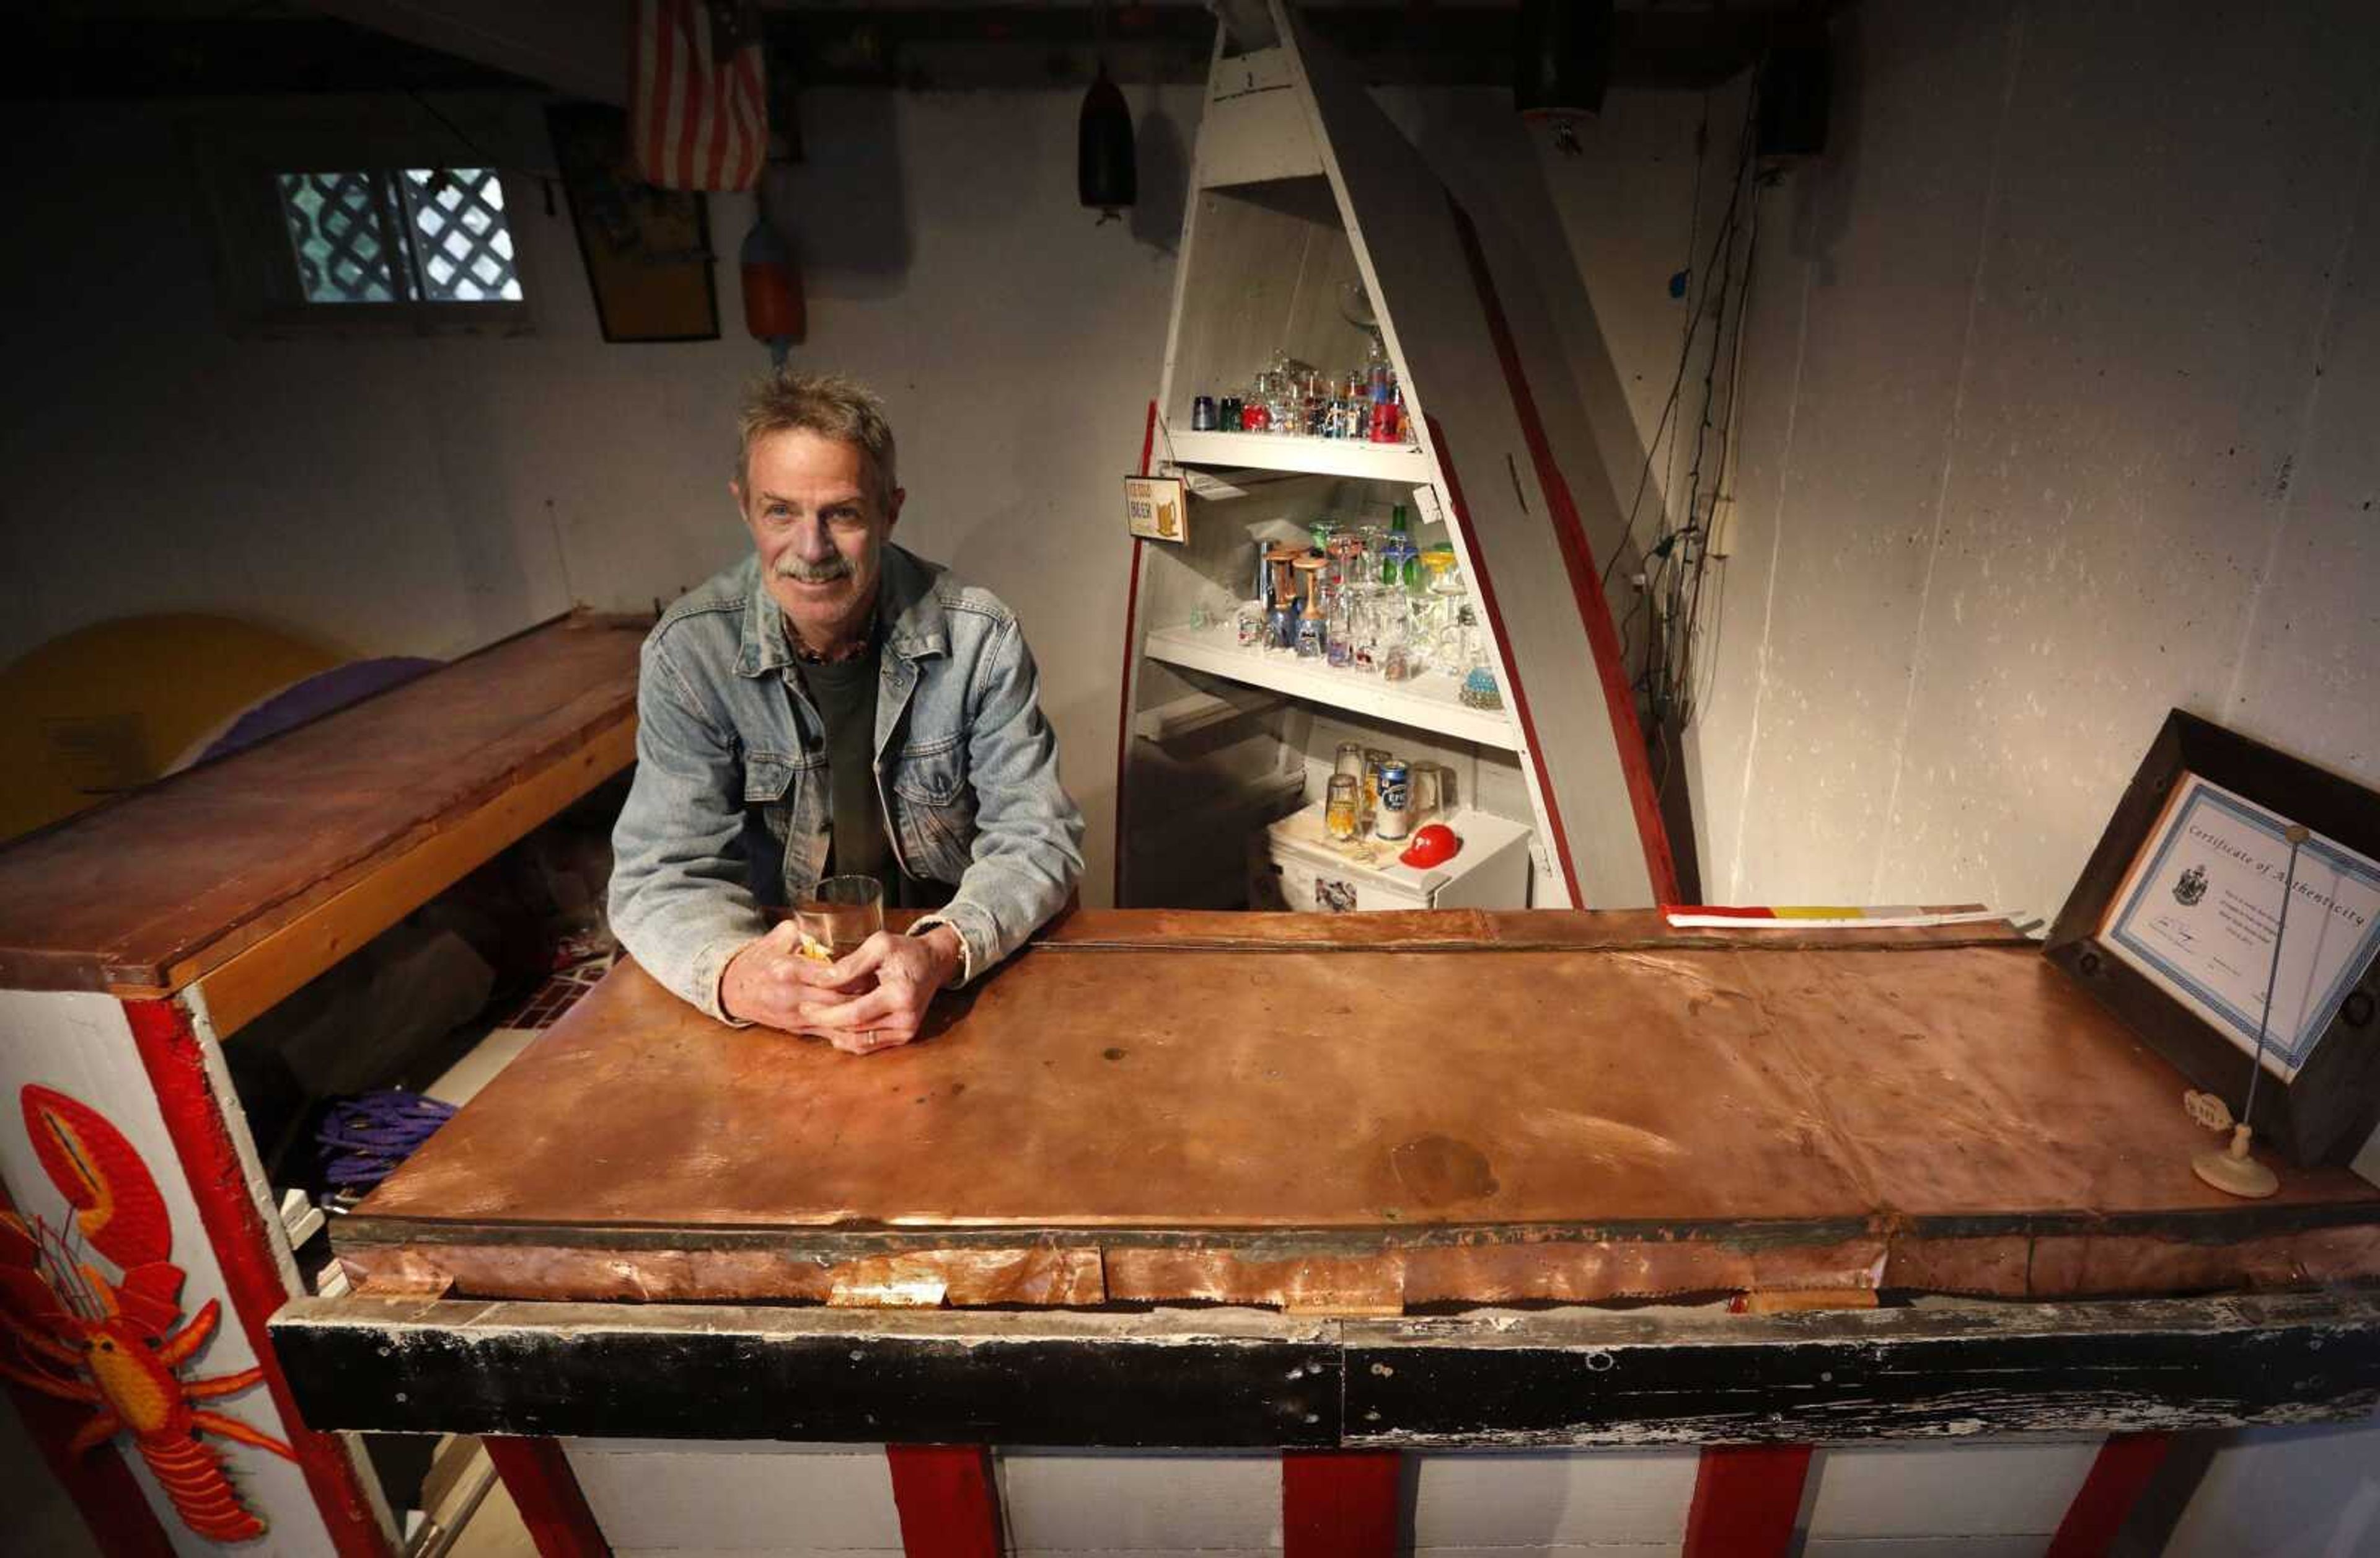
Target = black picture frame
(2324,1114)
(647,252)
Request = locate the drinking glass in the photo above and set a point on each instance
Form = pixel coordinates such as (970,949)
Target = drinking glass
(1425,791)
(841,912)
(1395,652)
(1366,614)
(1341,816)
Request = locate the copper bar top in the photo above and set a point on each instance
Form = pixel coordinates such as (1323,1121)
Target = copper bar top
(1362,1112)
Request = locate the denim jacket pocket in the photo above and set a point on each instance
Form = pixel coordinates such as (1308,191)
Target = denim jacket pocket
(936,807)
(766,775)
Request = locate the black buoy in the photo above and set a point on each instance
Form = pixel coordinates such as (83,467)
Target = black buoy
(1561,57)
(1106,175)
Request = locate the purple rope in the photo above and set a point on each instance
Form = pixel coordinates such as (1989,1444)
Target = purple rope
(364,1139)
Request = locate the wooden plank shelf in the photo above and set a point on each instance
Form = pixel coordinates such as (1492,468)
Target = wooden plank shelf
(249,876)
(1320,457)
(1196,712)
(1428,703)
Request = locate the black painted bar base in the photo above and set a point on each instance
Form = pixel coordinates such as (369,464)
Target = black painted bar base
(1221,1378)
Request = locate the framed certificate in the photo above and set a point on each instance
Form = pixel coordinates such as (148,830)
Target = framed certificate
(2202,915)
(2192,923)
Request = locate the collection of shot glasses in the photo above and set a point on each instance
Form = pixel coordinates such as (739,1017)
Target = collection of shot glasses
(1299,399)
(1368,601)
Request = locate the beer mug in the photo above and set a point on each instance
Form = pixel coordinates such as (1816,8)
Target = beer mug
(1425,791)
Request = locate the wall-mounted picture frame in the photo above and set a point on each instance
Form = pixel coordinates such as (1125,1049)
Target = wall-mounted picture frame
(647,252)
(2224,943)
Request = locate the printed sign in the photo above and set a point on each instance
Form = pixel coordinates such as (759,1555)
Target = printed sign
(1154,507)
(2201,911)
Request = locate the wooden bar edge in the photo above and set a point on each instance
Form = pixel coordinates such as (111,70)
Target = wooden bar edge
(259,976)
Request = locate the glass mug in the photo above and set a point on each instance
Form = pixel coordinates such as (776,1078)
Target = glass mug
(841,912)
(1425,791)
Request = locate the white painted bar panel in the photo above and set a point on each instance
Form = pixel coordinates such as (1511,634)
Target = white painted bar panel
(1476,1501)
(1927,1547)
(2000,1489)
(1079,1501)
(756,1497)
(2299,1493)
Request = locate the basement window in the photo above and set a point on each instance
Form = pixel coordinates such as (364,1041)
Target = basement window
(392,237)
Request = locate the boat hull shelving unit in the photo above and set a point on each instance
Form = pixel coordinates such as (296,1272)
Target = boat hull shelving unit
(1303,198)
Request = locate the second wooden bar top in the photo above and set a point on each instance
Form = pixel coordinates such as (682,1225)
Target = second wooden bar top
(1363,1114)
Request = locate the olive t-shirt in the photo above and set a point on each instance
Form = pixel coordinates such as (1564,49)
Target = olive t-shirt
(845,694)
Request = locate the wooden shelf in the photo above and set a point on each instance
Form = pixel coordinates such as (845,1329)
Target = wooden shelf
(1429,702)
(1196,712)
(1319,457)
(249,876)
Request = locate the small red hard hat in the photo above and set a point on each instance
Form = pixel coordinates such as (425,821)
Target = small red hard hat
(1433,844)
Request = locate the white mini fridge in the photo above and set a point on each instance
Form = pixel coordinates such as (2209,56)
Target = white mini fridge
(1295,865)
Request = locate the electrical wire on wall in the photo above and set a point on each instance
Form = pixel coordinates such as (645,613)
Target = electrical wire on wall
(1676,590)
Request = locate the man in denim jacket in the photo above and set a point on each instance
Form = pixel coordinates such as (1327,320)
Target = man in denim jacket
(834,705)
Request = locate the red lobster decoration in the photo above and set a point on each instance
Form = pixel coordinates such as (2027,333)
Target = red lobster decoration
(116,1346)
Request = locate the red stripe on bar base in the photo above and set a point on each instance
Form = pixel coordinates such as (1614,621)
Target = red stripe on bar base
(554,1508)
(2104,1501)
(1746,1499)
(947,1503)
(1340,1504)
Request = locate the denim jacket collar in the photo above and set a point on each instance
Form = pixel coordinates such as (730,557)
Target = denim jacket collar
(905,595)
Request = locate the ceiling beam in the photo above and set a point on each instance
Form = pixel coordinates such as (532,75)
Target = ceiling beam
(577,47)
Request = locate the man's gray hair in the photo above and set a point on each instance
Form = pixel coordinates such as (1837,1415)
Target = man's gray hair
(830,405)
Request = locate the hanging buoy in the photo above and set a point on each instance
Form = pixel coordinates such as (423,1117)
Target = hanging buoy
(1562,61)
(1106,175)
(773,310)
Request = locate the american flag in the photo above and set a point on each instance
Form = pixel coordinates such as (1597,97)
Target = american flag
(700,108)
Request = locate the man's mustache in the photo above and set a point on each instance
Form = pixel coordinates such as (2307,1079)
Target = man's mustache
(827,572)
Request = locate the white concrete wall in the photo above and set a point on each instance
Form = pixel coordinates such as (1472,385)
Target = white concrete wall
(2062,409)
(2059,414)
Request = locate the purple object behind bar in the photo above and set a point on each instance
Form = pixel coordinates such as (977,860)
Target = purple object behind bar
(318,695)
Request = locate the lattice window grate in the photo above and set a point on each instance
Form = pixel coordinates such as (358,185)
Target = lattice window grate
(438,235)
(334,224)
(459,233)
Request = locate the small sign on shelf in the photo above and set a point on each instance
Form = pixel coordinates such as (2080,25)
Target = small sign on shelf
(1156,508)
